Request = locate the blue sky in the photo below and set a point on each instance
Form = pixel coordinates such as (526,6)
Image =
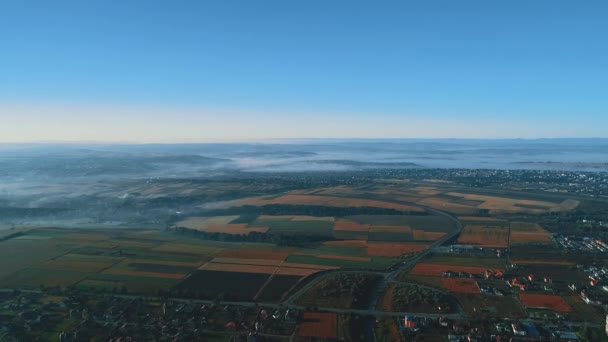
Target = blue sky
(171,71)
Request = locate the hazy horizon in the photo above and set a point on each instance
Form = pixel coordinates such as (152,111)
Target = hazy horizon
(142,72)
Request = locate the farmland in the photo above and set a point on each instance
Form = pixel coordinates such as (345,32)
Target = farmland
(317,248)
(541,301)
(485,236)
(329,201)
(523,233)
(456,285)
(319,325)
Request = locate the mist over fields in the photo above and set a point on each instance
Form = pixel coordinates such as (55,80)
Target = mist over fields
(114,185)
(32,162)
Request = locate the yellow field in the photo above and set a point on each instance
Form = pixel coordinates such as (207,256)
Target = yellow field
(510,205)
(202,223)
(324,201)
(491,237)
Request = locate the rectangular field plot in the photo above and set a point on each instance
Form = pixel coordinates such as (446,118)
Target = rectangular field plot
(203,222)
(375,263)
(549,302)
(132,283)
(20,254)
(82,263)
(392,250)
(158,268)
(436,270)
(484,236)
(523,233)
(229,285)
(34,277)
(278,285)
(319,325)
(428,223)
(300,227)
(390,236)
(457,285)
(328,201)
(458,260)
(483,221)
(257,253)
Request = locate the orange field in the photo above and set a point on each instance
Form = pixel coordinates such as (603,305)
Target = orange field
(427,191)
(511,205)
(526,227)
(390,229)
(437,270)
(282,269)
(247,261)
(347,243)
(329,201)
(525,233)
(393,249)
(461,285)
(421,235)
(346,225)
(310,266)
(269,254)
(479,218)
(443,204)
(493,237)
(519,238)
(235,229)
(550,302)
(296,218)
(319,325)
(387,300)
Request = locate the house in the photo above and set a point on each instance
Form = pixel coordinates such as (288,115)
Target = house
(518,330)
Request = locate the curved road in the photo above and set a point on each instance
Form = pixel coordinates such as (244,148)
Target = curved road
(387,278)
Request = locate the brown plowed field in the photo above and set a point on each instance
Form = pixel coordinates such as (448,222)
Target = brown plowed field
(437,270)
(550,302)
(461,285)
(319,325)
(328,201)
(482,236)
(347,243)
(235,229)
(421,235)
(345,225)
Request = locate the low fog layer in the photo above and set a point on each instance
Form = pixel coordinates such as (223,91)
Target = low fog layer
(131,185)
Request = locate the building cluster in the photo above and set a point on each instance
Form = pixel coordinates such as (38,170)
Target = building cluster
(73,316)
(584,244)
